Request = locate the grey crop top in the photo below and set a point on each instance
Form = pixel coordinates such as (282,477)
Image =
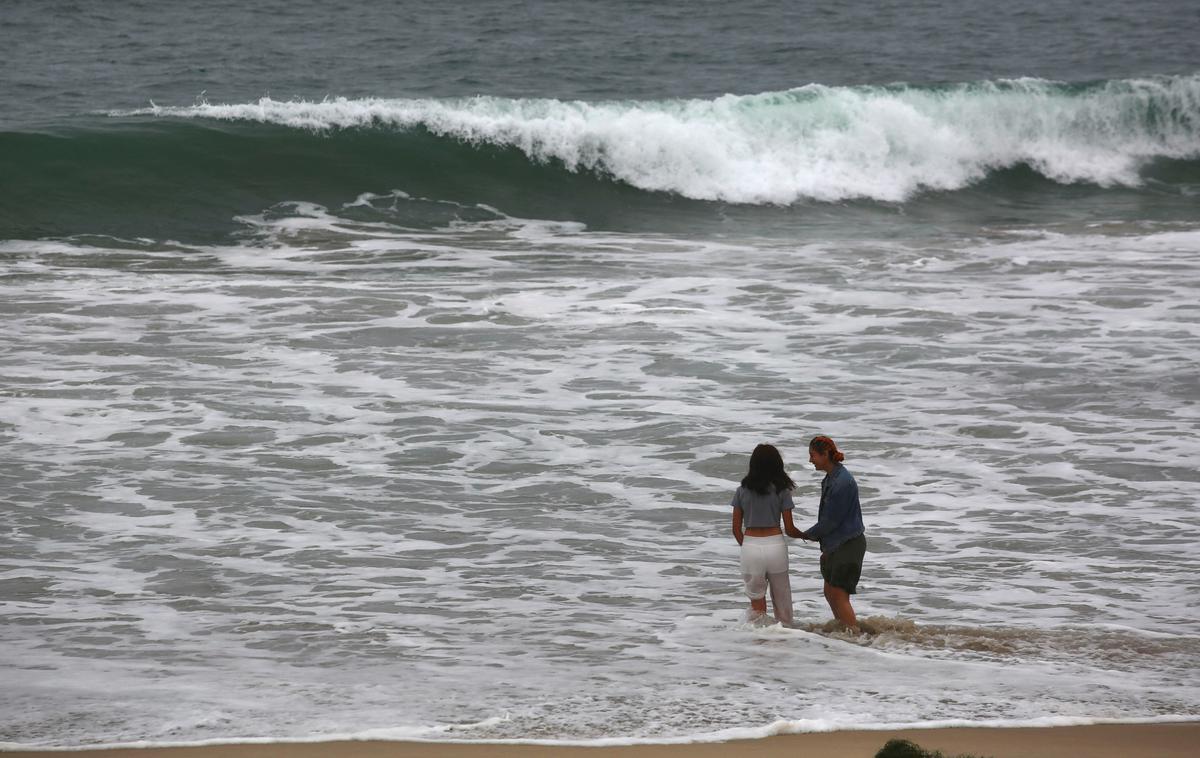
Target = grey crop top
(762,510)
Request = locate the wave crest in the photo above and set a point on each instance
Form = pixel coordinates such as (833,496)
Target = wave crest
(813,142)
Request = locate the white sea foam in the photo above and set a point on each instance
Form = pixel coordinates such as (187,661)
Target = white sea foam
(472,483)
(807,726)
(814,142)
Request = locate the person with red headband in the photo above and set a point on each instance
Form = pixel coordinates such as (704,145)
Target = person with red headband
(765,497)
(839,529)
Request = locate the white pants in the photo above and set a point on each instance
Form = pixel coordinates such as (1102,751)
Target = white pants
(765,566)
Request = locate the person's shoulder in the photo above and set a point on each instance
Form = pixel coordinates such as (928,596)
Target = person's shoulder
(842,475)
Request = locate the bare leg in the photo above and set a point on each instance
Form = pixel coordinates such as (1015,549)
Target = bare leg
(759,606)
(839,603)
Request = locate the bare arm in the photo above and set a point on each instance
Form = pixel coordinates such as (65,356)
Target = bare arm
(789,527)
(737,525)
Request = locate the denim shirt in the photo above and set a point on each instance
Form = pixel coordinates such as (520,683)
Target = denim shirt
(839,517)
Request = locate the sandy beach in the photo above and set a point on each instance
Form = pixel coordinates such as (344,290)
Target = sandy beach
(1095,741)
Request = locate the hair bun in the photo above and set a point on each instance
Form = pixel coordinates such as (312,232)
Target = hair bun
(826,445)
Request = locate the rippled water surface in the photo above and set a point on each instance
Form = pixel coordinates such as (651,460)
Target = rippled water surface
(337,475)
(387,370)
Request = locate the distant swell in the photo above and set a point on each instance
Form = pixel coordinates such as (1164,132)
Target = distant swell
(188,172)
(814,142)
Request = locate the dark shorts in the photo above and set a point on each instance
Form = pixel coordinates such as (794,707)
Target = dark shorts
(843,566)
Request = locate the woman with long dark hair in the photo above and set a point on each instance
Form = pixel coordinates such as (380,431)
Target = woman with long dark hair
(764,498)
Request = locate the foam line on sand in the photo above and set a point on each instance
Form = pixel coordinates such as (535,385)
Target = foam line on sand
(1160,740)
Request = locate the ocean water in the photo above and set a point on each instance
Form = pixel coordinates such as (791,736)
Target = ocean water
(387,371)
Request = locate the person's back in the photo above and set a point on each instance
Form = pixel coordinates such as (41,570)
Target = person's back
(764,497)
(762,510)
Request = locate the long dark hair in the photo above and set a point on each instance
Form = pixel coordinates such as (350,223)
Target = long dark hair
(766,470)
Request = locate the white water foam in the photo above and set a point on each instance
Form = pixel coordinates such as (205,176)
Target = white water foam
(814,142)
(472,483)
(808,726)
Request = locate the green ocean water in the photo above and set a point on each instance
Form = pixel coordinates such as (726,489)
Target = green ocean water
(385,370)
(815,157)
(65,58)
(881,96)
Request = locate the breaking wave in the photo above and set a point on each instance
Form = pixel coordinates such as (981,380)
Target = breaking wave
(190,171)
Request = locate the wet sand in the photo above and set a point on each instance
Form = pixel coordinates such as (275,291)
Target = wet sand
(1096,741)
